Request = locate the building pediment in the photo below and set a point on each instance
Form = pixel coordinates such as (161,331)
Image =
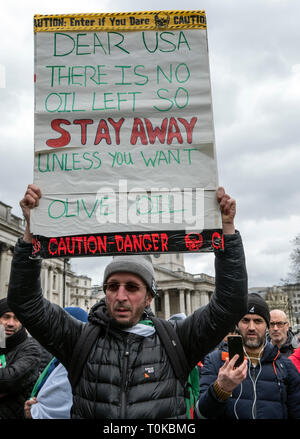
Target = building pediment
(163,274)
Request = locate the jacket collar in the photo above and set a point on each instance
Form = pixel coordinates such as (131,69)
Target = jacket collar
(270,352)
(14,340)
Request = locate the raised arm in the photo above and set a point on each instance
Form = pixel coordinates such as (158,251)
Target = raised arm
(29,201)
(228,210)
(52,326)
(206,327)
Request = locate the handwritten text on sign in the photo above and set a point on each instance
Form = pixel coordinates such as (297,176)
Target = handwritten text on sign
(123,131)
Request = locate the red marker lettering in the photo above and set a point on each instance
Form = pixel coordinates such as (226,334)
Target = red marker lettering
(83,123)
(65,137)
(52,241)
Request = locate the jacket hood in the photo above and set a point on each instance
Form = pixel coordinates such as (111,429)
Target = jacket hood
(99,315)
(288,344)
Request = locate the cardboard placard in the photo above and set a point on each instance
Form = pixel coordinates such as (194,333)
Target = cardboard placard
(124,137)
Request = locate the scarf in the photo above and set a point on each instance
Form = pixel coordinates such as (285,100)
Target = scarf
(2,361)
(145,328)
(43,376)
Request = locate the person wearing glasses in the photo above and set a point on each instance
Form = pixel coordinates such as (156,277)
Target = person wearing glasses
(280,333)
(126,373)
(265,386)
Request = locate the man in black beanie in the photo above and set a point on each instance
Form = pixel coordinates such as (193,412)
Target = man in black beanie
(254,335)
(19,364)
(125,369)
(265,386)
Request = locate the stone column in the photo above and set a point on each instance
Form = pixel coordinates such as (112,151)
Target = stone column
(196,300)
(51,284)
(60,284)
(4,269)
(68,293)
(167,304)
(204,298)
(152,305)
(188,303)
(181,301)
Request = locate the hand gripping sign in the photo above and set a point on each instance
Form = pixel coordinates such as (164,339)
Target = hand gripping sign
(124,141)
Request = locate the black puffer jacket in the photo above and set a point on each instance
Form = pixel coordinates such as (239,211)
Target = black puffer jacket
(113,383)
(22,356)
(271,390)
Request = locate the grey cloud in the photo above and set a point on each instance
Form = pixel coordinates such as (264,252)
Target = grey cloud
(253,47)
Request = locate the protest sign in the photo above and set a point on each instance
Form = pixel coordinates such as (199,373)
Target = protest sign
(124,138)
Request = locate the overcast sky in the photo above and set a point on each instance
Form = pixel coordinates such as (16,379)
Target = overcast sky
(255,73)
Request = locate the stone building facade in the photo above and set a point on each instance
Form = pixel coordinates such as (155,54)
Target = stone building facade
(179,291)
(293,293)
(59,283)
(11,227)
(283,297)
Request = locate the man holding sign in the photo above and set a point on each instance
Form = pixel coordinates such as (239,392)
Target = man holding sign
(122,112)
(127,373)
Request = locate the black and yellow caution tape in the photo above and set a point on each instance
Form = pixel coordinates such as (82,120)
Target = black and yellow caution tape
(121,21)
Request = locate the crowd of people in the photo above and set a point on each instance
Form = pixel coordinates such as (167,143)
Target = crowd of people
(115,362)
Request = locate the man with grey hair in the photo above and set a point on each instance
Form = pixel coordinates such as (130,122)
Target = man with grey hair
(127,373)
(280,333)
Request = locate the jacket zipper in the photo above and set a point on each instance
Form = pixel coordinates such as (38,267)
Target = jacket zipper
(124,381)
(253,375)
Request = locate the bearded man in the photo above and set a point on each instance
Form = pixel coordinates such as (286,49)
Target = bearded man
(19,364)
(126,372)
(265,386)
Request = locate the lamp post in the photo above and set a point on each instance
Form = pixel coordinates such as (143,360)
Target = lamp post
(64,282)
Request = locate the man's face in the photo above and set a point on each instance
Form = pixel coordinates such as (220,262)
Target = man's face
(126,298)
(253,330)
(11,323)
(278,327)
